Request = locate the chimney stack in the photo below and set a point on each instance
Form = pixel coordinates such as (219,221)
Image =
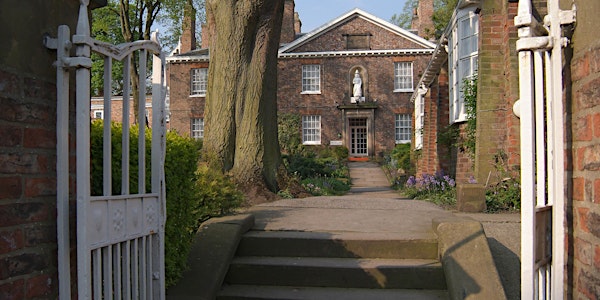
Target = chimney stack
(188,29)
(288,32)
(297,24)
(422,20)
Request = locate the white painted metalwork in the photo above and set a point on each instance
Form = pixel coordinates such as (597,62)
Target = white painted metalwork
(540,108)
(120,250)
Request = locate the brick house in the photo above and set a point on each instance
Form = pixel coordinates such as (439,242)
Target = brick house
(491,22)
(97,109)
(315,79)
(479,41)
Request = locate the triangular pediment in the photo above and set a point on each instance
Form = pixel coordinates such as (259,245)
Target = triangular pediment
(331,37)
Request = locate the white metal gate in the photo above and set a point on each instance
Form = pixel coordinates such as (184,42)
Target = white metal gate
(120,238)
(542,150)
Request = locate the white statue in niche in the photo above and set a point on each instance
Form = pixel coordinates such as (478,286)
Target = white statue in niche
(357,82)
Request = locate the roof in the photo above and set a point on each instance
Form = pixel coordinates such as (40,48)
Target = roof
(306,38)
(194,55)
(286,51)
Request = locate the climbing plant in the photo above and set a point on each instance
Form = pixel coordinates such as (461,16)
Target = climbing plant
(469,90)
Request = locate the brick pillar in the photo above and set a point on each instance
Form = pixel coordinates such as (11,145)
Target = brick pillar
(188,30)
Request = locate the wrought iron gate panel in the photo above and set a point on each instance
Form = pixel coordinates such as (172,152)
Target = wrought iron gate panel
(120,238)
(540,109)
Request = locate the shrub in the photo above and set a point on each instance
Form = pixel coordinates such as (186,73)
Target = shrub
(400,158)
(322,173)
(217,194)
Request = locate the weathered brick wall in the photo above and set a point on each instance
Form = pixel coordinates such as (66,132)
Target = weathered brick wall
(491,127)
(583,149)
(28,260)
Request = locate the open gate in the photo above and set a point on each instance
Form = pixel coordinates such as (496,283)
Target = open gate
(120,238)
(541,111)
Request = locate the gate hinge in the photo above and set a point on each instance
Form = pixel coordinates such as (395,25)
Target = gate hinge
(76,62)
(49,42)
(534,43)
(568,16)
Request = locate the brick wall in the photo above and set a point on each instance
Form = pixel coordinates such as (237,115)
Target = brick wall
(432,157)
(183,106)
(336,89)
(28,259)
(335,40)
(497,127)
(583,150)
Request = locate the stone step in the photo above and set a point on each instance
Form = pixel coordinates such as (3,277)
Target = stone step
(341,245)
(246,292)
(337,272)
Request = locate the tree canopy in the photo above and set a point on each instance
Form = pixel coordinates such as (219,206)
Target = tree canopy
(130,20)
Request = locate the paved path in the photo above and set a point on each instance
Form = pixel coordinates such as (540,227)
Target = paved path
(372,208)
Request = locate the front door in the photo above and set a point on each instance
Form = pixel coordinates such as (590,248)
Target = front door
(358,137)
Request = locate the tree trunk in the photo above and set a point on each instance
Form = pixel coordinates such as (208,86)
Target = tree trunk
(241,108)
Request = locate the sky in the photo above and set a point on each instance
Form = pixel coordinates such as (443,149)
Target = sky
(314,13)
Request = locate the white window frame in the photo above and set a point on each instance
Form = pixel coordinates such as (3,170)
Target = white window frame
(197,128)
(419,117)
(198,82)
(403,128)
(311,130)
(463,52)
(403,76)
(101,112)
(311,79)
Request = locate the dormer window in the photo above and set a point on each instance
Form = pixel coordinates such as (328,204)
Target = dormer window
(358,41)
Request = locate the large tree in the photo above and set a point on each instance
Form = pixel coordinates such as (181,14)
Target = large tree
(241,105)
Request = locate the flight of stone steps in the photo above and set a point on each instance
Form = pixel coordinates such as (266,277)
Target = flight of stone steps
(347,265)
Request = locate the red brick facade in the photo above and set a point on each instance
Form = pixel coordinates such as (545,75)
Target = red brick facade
(327,48)
(583,153)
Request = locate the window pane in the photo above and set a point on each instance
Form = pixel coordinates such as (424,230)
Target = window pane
(403,76)
(403,128)
(311,78)
(311,129)
(199,81)
(197,128)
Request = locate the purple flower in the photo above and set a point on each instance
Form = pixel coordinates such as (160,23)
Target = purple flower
(472,179)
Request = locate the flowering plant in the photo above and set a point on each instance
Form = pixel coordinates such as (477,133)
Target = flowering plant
(439,188)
